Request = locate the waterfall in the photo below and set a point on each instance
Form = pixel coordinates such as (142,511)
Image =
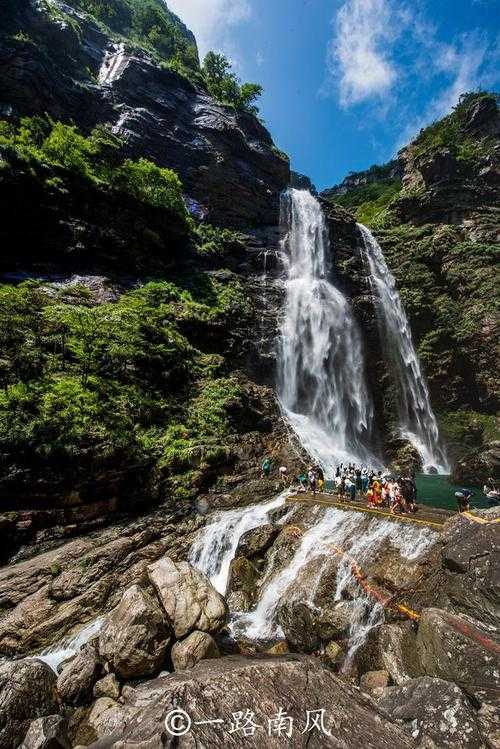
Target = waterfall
(417,422)
(216,544)
(112,65)
(348,530)
(322,389)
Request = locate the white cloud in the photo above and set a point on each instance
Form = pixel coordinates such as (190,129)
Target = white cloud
(464,63)
(211,20)
(359,54)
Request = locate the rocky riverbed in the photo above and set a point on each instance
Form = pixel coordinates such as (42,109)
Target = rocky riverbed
(393,624)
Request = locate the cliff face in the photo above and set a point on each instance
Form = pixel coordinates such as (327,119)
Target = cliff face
(54,58)
(439,232)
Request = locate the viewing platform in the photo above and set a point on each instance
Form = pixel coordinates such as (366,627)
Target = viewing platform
(433,517)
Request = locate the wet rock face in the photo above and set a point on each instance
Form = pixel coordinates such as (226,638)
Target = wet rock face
(188,597)
(226,160)
(459,650)
(261,685)
(435,711)
(27,692)
(135,636)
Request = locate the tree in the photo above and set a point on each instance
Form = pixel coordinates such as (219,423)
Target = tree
(224,85)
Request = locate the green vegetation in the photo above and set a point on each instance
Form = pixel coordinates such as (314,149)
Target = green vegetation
(148,24)
(224,86)
(448,287)
(97,158)
(139,384)
(449,133)
(370,201)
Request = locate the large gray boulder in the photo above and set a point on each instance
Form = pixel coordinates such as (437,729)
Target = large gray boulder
(76,681)
(221,689)
(27,691)
(47,733)
(392,648)
(196,647)
(188,597)
(242,584)
(459,650)
(135,635)
(435,711)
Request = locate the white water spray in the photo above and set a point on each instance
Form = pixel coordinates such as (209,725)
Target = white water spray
(417,422)
(216,544)
(112,65)
(345,530)
(70,646)
(322,387)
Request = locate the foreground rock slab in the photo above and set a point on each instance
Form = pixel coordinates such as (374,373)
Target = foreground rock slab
(188,597)
(27,692)
(437,713)
(248,692)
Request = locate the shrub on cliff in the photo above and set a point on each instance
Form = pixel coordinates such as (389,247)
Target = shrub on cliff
(133,385)
(96,158)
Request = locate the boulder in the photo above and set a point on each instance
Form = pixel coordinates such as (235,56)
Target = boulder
(76,681)
(436,712)
(107,687)
(27,692)
(391,648)
(257,541)
(242,584)
(333,654)
(257,687)
(47,733)
(188,597)
(306,625)
(373,682)
(135,635)
(196,647)
(459,650)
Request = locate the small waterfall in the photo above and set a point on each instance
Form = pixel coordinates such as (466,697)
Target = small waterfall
(348,531)
(417,422)
(322,388)
(216,544)
(70,646)
(112,65)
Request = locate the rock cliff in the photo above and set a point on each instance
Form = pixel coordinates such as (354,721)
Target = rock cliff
(56,58)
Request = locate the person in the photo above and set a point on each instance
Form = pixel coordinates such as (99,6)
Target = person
(342,486)
(377,491)
(283,471)
(321,478)
(364,480)
(266,467)
(311,476)
(463,499)
(359,482)
(370,498)
(351,488)
(302,479)
(337,472)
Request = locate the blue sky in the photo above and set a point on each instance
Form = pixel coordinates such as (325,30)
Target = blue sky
(348,82)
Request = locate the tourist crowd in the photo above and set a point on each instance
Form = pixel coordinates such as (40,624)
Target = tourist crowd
(351,482)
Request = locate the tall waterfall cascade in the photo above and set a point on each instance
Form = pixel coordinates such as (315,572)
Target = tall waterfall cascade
(417,422)
(321,386)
